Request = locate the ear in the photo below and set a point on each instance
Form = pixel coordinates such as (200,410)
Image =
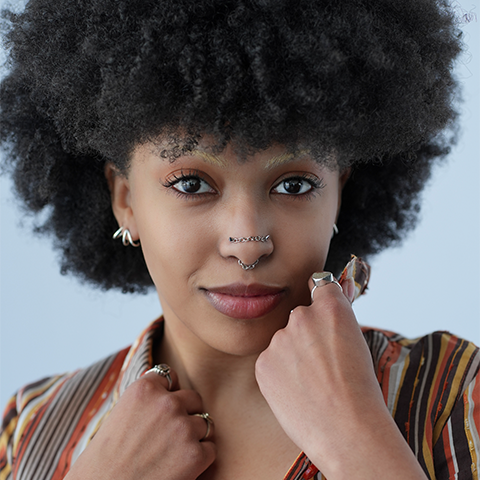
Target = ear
(121,199)
(342,180)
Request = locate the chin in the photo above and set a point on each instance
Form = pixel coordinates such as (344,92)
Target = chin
(247,337)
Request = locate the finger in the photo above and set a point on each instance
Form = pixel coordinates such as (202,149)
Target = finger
(207,427)
(348,288)
(168,378)
(209,450)
(190,400)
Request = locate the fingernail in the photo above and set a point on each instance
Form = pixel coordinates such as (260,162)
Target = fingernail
(351,290)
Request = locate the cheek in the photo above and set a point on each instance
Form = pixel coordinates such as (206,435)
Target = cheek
(173,246)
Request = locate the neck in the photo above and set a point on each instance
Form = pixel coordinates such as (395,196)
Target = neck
(215,375)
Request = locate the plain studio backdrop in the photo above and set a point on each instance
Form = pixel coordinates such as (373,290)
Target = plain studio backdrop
(52,324)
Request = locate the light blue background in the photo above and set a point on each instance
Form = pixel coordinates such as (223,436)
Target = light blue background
(52,324)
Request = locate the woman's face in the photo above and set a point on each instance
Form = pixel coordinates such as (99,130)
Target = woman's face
(184,213)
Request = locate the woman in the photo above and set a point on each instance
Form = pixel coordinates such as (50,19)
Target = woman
(221,144)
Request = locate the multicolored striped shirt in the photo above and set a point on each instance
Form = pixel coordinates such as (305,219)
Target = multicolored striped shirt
(430,385)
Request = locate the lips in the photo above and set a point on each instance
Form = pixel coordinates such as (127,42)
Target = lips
(244,301)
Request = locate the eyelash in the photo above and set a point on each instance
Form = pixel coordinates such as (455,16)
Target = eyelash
(315,183)
(175,178)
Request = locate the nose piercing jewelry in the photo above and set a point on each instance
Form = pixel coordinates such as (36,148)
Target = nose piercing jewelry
(258,238)
(248,267)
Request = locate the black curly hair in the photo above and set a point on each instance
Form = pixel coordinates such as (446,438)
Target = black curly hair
(368,80)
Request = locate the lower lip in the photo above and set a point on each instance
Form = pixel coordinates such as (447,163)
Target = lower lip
(244,307)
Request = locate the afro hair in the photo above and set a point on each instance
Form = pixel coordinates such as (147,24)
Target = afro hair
(88,80)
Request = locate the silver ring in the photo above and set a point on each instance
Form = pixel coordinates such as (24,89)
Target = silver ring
(323,278)
(209,421)
(257,238)
(164,371)
(248,267)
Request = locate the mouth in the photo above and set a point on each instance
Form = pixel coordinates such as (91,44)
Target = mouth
(244,301)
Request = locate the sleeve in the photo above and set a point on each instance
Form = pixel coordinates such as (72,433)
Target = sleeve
(457,451)
(9,425)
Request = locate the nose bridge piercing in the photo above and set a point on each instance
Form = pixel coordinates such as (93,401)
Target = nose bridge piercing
(256,238)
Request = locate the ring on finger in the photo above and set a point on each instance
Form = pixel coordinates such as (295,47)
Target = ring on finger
(164,371)
(209,420)
(323,278)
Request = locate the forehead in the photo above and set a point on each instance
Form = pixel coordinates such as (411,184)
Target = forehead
(174,146)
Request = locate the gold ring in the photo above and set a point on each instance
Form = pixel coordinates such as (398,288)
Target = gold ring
(209,421)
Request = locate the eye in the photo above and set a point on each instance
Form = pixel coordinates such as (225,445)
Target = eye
(297,185)
(192,185)
(188,184)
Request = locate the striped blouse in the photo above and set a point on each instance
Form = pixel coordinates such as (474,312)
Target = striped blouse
(429,385)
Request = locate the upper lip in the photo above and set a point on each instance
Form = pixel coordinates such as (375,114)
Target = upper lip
(243,290)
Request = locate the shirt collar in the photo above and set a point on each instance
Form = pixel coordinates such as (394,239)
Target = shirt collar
(139,358)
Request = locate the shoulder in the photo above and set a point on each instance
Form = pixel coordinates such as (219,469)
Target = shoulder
(431,386)
(71,405)
(433,360)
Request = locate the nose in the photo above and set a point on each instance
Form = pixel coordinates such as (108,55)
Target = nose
(245,222)
(248,250)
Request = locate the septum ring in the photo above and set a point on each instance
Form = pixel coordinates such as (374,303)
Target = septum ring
(257,238)
(253,238)
(209,420)
(248,267)
(164,371)
(321,279)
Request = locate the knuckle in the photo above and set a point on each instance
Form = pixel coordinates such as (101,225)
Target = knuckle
(169,404)
(183,429)
(196,454)
(331,306)
(143,388)
(276,343)
(299,314)
(260,364)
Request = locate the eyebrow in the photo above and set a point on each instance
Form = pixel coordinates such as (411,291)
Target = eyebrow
(210,158)
(278,160)
(275,161)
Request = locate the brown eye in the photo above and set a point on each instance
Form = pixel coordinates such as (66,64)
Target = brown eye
(293,186)
(190,185)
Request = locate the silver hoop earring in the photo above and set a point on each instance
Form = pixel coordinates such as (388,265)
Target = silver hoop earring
(257,238)
(126,237)
(335,230)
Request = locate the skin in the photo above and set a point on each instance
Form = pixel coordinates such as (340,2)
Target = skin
(263,379)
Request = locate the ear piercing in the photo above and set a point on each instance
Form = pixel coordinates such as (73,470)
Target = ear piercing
(126,237)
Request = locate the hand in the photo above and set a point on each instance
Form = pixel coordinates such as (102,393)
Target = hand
(317,376)
(151,433)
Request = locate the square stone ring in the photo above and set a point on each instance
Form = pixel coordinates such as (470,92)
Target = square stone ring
(321,279)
